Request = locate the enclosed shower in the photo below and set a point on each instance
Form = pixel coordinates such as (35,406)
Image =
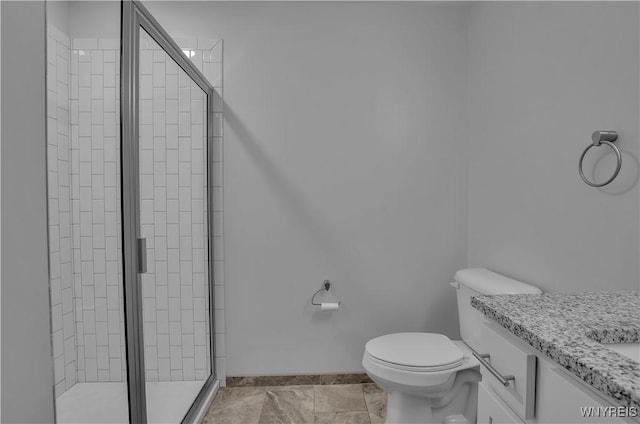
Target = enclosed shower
(133,136)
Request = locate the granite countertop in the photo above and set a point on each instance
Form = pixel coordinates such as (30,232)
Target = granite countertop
(569,327)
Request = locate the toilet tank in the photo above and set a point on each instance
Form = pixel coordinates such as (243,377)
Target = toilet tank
(480,281)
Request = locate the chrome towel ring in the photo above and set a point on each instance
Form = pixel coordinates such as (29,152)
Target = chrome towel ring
(606,137)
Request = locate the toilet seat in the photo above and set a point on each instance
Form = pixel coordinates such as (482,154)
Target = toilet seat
(415,352)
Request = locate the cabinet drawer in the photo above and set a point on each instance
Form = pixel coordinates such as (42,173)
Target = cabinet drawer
(491,410)
(516,364)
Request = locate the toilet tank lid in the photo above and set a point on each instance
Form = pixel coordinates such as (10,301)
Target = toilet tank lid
(488,282)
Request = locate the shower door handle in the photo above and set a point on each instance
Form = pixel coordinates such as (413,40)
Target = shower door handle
(142,255)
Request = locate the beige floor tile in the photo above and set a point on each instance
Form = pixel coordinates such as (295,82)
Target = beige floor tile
(288,405)
(339,397)
(236,405)
(350,417)
(376,400)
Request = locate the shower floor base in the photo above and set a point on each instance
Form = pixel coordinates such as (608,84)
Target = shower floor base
(88,403)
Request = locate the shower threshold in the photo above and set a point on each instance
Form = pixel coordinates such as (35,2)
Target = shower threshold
(88,403)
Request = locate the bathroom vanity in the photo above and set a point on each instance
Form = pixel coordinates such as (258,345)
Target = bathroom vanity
(559,358)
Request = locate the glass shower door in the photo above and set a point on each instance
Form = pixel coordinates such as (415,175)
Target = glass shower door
(173,214)
(167,132)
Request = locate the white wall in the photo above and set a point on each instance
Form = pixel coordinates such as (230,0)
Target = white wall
(542,77)
(27,365)
(345,160)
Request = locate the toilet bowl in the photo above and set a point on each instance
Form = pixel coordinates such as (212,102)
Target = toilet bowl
(428,377)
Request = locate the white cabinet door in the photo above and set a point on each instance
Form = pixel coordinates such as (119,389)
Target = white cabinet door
(564,400)
(492,410)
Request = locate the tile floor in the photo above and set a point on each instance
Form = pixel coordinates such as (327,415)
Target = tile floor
(330,404)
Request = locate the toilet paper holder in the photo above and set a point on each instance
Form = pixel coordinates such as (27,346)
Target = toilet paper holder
(326,285)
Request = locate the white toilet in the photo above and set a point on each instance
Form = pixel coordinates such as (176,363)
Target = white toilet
(428,377)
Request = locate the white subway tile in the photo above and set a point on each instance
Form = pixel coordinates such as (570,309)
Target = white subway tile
(158,54)
(97,87)
(159,125)
(58,369)
(174,306)
(184,81)
(146,211)
(110,126)
(173,285)
(110,75)
(159,99)
(67,308)
(62,71)
(171,87)
(97,62)
(146,112)
(113,321)
(216,74)
(97,136)
(90,346)
(185,223)
(146,62)
(102,338)
(172,137)
(175,333)
(113,303)
(146,87)
(162,323)
(100,285)
(176,360)
(151,357)
(114,343)
(164,369)
(163,347)
(149,309)
(188,368)
(186,321)
(146,166)
(198,186)
(184,172)
(58,344)
(158,74)
(115,369)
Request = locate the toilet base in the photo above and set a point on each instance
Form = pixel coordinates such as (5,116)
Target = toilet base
(409,408)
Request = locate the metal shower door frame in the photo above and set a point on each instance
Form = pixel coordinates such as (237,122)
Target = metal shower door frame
(134,18)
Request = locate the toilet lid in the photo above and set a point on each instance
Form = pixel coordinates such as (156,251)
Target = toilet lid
(423,350)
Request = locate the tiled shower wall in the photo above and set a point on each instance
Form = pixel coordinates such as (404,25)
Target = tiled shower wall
(59,193)
(85,232)
(95,176)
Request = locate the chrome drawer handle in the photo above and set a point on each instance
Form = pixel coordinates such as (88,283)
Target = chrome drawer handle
(482,357)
